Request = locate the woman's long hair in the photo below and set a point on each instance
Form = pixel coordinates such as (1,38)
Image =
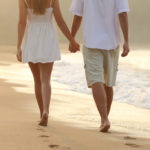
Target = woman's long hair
(38,6)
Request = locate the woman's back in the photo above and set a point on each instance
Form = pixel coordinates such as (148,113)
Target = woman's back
(43,17)
(46,17)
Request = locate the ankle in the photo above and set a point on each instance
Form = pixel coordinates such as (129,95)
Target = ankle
(104,120)
(45,113)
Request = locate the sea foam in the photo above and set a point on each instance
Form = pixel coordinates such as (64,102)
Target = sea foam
(133,79)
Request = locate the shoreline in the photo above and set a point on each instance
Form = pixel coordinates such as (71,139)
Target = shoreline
(11,50)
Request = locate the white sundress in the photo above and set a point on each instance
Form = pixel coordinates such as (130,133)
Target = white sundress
(40,42)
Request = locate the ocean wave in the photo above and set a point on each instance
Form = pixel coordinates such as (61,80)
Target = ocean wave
(132,86)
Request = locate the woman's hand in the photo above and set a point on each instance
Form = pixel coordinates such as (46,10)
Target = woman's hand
(19,55)
(74,46)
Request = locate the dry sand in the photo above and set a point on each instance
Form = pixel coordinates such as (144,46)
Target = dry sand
(18,121)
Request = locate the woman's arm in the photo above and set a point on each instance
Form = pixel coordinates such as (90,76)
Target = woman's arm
(21,25)
(62,25)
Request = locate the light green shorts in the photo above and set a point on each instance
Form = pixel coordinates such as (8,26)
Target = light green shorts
(101,66)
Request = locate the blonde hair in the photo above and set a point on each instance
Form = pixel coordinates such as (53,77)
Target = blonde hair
(38,6)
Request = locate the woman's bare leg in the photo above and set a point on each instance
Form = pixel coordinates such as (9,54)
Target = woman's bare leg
(45,76)
(37,84)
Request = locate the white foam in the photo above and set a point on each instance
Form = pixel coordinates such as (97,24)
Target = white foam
(133,81)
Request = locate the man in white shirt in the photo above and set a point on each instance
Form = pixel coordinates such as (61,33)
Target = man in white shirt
(101,31)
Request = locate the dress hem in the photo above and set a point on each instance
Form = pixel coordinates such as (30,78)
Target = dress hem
(43,62)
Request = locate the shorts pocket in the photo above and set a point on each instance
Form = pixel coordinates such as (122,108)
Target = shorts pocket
(117,67)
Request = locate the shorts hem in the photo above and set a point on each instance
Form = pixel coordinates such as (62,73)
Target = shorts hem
(90,84)
(108,85)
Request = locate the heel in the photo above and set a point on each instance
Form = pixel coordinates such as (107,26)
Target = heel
(44,120)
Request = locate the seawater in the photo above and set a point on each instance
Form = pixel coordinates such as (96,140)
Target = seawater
(133,79)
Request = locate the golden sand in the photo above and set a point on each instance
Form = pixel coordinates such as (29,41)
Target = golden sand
(71,123)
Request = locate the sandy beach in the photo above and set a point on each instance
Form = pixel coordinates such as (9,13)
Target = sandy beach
(74,120)
(73,123)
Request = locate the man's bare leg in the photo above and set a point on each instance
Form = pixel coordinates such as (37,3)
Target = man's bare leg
(109,94)
(100,98)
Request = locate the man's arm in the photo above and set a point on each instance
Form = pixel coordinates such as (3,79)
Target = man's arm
(76,25)
(123,18)
(74,29)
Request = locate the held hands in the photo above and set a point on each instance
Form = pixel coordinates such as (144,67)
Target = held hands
(74,46)
(19,55)
(126,49)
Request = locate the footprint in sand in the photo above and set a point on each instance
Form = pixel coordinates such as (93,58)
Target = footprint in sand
(44,136)
(54,146)
(132,145)
(40,129)
(129,138)
(59,146)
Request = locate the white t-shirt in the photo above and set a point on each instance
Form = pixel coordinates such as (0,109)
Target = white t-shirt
(100,21)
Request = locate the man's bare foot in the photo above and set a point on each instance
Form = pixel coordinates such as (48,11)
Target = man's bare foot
(44,120)
(105,126)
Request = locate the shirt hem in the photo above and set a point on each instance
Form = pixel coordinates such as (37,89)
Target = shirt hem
(75,13)
(123,10)
(102,48)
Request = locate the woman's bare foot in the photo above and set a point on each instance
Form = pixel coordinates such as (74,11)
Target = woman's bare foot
(105,126)
(41,115)
(44,120)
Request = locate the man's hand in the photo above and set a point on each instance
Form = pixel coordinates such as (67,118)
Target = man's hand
(126,49)
(19,55)
(74,46)
(123,18)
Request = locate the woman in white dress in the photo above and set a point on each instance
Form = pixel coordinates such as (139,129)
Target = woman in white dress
(38,45)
